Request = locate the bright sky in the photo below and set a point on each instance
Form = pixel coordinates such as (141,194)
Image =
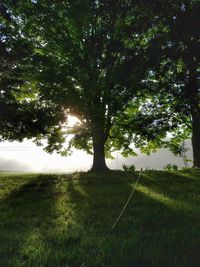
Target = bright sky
(26,156)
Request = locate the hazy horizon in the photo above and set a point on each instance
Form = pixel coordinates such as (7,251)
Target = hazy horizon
(27,157)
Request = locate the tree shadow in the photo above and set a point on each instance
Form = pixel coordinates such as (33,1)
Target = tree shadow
(150,232)
(176,186)
(66,221)
(24,214)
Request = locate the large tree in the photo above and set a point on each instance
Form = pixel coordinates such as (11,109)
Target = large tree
(179,65)
(173,103)
(84,60)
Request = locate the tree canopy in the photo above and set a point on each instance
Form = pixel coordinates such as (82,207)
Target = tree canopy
(82,58)
(127,70)
(174,75)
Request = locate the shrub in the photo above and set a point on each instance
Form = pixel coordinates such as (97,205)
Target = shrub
(171,167)
(128,168)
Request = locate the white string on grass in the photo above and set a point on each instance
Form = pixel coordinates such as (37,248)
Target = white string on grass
(127,202)
(121,213)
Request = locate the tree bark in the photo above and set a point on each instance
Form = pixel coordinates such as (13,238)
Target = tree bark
(196,137)
(99,162)
(193,95)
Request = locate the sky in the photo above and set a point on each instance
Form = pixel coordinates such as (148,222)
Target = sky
(27,157)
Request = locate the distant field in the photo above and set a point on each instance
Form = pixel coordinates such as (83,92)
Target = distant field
(64,220)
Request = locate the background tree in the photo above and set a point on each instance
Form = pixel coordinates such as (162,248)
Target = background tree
(177,47)
(172,101)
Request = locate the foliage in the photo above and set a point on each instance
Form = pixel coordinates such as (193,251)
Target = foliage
(169,102)
(84,58)
(129,168)
(127,69)
(171,167)
(173,104)
(21,115)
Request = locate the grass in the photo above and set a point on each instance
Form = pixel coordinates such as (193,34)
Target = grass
(65,220)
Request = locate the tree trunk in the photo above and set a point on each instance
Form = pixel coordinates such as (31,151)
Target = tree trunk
(99,162)
(196,137)
(192,91)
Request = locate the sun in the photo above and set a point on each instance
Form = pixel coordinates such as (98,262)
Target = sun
(72,120)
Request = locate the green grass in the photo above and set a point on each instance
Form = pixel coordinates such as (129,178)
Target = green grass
(65,220)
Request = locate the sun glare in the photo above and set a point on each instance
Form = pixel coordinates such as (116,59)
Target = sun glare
(72,120)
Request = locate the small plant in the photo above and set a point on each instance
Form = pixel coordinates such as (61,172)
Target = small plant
(171,167)
(128,168)
(125,167)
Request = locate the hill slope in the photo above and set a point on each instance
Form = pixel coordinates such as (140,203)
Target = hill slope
(65,220)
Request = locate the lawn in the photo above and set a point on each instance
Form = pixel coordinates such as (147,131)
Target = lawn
(65,220)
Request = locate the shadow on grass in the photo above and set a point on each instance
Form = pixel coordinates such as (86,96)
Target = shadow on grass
(181,190)
(24,213)
(54,221)
(150,232)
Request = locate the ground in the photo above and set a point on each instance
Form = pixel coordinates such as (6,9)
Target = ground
(64,220)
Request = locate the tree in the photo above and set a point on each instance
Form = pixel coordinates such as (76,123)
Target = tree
(83,60)
(18,119)
(180,63)
(174,62)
